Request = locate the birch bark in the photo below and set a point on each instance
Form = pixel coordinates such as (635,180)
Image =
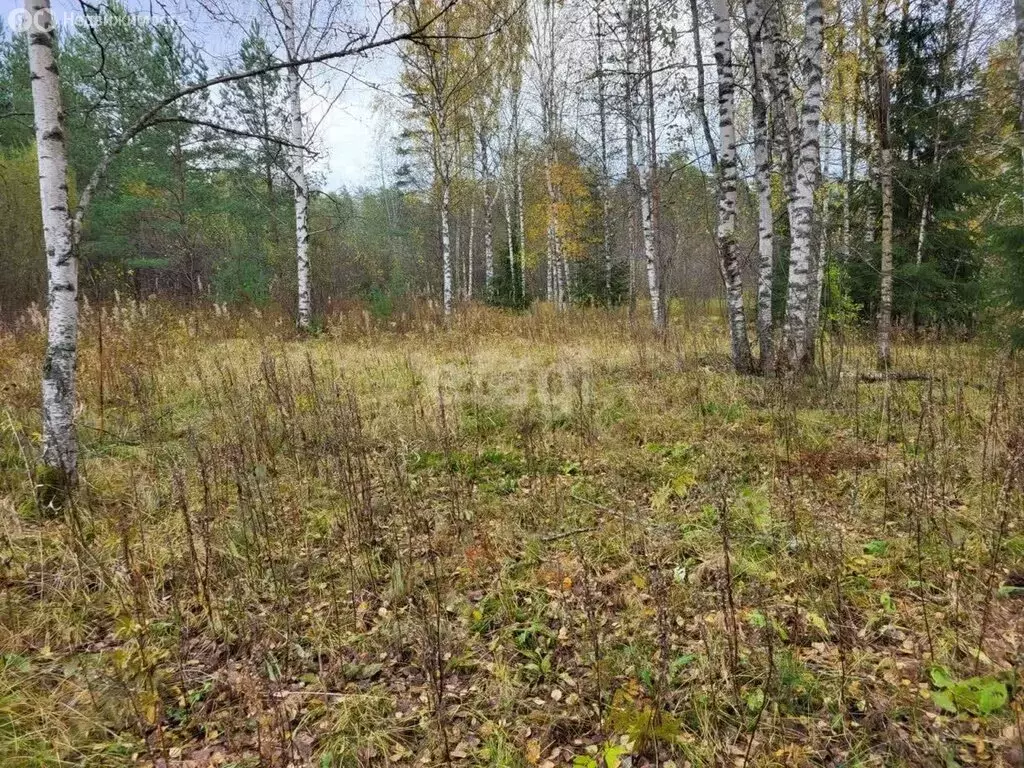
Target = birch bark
(602,115)
(446,250)
(885,182)
(60,445)
(1019,30)
(725,233)
(485,170)
(469,252)
(802,259)
(644,175)
(885,292)
(298,170)
(762,57)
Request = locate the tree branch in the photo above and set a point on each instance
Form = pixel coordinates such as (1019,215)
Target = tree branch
(356,47)
(224,129)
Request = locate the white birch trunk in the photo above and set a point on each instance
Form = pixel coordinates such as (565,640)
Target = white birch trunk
(522,228)
(848,140)
(632,187)
(643,178)
(556,265)
(922,226)
(885,293)
(725,232)
(507,204)
(552,224)
(60,445)
(798,345)
(298,168)
(520,210)
(563,275)
(485,170)
(818,276)
(603,125)
(650,252)
(762,54)
(651,233)
(446,249)
(470,251)
(1019,30)
(885,182)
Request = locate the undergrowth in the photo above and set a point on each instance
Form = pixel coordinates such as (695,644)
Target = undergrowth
(531,539)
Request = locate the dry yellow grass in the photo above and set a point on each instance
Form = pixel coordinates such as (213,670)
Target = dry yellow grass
(521,540)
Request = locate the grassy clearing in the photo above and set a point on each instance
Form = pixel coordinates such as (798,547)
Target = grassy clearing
(526,540)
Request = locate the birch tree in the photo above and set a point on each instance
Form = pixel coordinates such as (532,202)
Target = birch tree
(798,332)
(62,229)
(297,166)
(641,123)
(546,22)
(725,233)
(60,444)
(885,182)
(605,179)
(496,61)
(438,77)
(1018,7)
(762,60)
(514,47)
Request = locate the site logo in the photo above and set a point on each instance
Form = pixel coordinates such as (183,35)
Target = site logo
(21,20)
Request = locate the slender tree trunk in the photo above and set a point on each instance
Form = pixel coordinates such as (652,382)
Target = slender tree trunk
(470,251)
(1019,18)
(446,251)
(632,175)
(922,226)
(507,205)
(653,187)
(785,119)
(631,188)
(762,56)
(564,294)
(520,210)
(298,169)
(847,142)
(818,283)
(602,115)
(701,95)
(485,170)
(819,237)
(727,180)
(885,181)
(650,252)
(799,346)
(60,444)
(550,266)
(937,155)
(645,175)
(553,266)
(885,294)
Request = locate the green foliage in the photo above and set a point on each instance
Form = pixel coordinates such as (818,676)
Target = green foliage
(976,695)
(506,288)
(21,229)
(838,307)
(643,723)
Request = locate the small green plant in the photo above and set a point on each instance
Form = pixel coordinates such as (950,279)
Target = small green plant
(979,696)
(608,755)
(642,722)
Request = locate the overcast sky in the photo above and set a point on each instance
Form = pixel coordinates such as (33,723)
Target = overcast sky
(343,106)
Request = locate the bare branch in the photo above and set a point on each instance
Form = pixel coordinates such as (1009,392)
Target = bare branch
(224,129)
(358,46)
